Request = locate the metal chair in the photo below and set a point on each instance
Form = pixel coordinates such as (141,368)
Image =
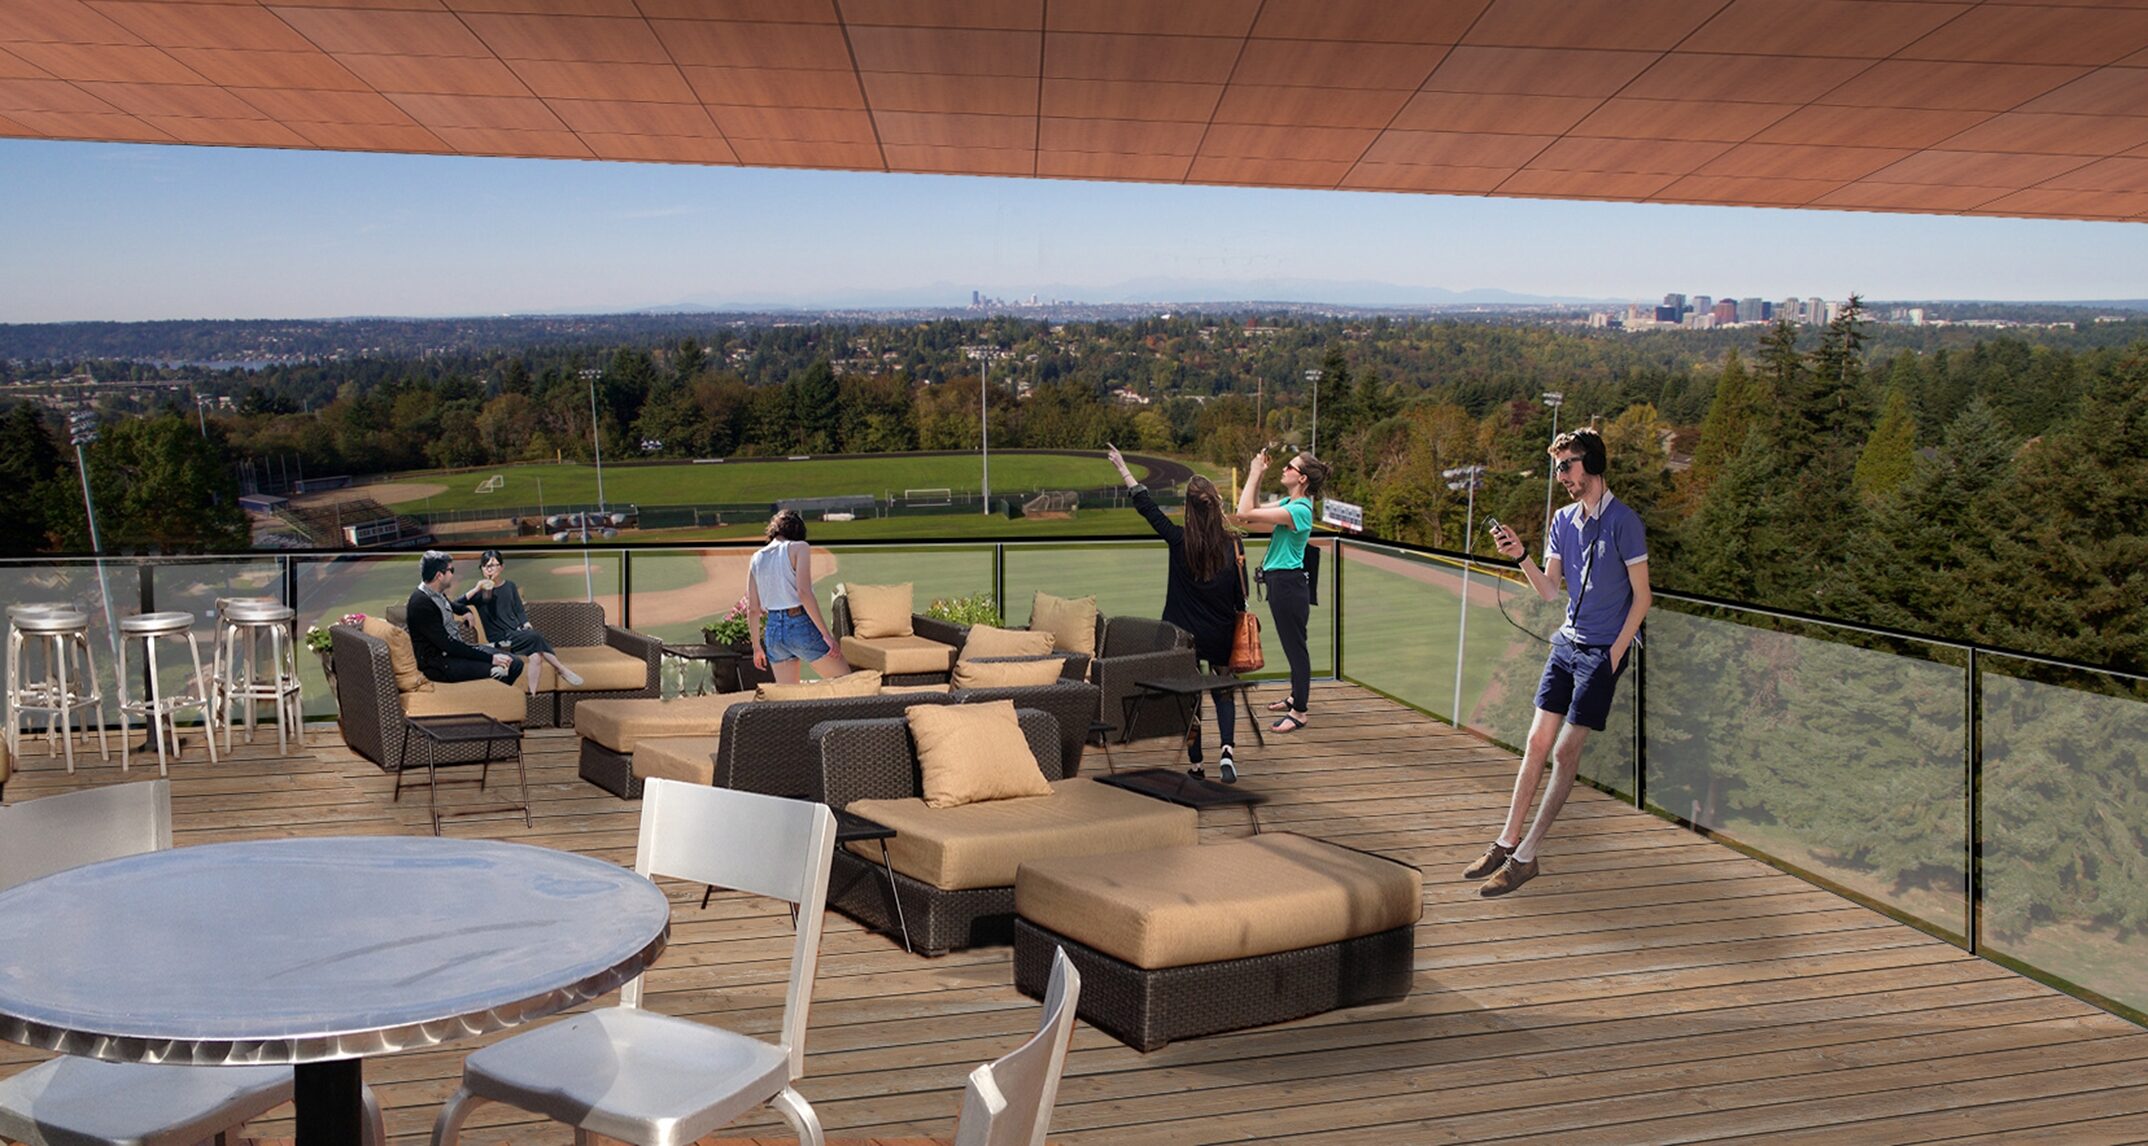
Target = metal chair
(157,709)
(1008,1102)
(63,636)
(71,1101)
(654,1080)
(241,624)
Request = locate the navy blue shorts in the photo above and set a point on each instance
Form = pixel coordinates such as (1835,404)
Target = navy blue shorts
(1578,681)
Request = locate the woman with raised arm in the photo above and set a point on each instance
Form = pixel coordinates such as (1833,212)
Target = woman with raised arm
(1204,591)
(507,624)
(1290,595)
(780,587)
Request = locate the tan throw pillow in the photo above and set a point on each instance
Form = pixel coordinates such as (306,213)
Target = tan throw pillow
(1007,674)
(879,610)
(969,753)
(864,682)
(402,658)
(987,641)
(1070,621)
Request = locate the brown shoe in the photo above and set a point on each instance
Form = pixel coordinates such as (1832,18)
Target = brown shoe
(1513,875)
(1489,862)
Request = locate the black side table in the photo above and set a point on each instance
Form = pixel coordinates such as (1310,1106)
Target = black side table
(725,664)
(1175,787)
(470,729)
(1186,692)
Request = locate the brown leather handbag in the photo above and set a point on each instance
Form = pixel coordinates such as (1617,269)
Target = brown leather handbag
(1245,634)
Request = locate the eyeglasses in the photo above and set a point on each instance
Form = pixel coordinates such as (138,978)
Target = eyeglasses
(1293,467)
(1563,464)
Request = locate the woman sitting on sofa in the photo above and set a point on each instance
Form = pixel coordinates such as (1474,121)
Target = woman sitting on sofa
(507,624)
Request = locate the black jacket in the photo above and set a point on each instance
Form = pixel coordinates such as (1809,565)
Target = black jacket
(430,638)
(1207,609)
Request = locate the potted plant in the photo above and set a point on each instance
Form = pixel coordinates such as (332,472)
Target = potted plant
(317,639)
(731,631)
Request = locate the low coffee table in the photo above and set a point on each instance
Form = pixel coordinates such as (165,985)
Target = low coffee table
(471,729)
(1175,787)
(1186,692)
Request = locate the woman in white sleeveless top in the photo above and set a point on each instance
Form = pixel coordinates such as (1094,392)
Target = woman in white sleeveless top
(780,588)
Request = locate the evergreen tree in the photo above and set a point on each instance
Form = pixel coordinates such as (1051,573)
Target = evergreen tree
(30,464)
(1722,434)
(815,407)
(1890,454)
(1911,567)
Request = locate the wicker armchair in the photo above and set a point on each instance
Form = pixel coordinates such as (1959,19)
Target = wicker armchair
(929,628)
(572,626)
(874,759)
(1138,648)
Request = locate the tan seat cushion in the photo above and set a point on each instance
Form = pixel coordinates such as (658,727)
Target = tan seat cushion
(402,658)
(879,610)
(972,752)
(602,668)
(898,654)
(1231,900)
(687,758)
(864,682)
(1007,674)
(989,641)
(620,724)
(499,700)
(1070,621)
(981,845)
(942,689)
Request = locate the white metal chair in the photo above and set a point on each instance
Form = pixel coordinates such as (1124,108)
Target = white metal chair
(1009,1101)
(651,1079)
(87,1102)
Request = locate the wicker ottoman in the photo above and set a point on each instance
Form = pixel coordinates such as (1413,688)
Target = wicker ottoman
(610,729)
(1180,942)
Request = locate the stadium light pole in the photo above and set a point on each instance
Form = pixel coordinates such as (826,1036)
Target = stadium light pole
(1471,479)
(82,430)
(1553,399)
(984,424)
(596,442)
(1314,377)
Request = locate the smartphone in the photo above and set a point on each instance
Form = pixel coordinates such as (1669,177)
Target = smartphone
(1492,524)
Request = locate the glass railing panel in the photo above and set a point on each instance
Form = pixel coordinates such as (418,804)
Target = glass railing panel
(1399,621)
(330,587)
(1842,762)
(2064,795)
(194,587)
(77,586)
(931,571)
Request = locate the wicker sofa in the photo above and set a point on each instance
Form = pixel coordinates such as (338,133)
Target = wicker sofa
(765,745)
(614,663)
(954,867)
(923,657)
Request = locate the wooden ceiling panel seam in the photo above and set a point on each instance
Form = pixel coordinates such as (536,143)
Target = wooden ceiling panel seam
(1389,126)
(1210,123)
(671,62)
(850,50)
(69,22)
(60,97)
(116,63)
(1036,130)
(976,15)
(171,25)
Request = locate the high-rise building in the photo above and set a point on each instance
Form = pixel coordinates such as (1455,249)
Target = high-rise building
(1670,314)
(1675,303)
(1726,312)
(1752,310)
(1789,309)
(1815,311)
(1702,304)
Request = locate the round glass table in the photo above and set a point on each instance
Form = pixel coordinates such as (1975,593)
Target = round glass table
(316,952)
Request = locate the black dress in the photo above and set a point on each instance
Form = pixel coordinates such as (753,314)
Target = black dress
(506,621)
(1208,609)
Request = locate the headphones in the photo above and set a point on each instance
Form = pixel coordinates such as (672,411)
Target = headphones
(1590,446)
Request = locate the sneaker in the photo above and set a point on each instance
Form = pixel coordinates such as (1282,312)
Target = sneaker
(1197,772)
(1492,860)
(1230,766)
(1193,743)
(570,676)
(1513,875)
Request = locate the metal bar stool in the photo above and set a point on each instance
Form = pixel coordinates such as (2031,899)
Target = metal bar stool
(158,709)
(17,681)
(63,636)
(241,624)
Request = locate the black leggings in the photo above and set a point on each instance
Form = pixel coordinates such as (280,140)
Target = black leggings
(1290,603)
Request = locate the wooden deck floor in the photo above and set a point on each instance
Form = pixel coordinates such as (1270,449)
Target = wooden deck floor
(1651,987)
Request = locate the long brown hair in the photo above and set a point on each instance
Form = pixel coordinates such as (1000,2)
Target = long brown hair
(1208,542)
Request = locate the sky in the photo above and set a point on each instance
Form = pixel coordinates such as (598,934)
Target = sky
(131,232)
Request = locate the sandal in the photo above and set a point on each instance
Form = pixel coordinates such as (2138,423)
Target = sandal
(1282,705)
(1290,723)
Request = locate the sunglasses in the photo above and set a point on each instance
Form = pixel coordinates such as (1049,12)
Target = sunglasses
(1564,464)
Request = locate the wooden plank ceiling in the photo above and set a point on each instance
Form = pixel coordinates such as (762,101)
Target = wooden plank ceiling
(2025,109)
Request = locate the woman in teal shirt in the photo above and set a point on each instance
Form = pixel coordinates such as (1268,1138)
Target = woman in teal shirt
(1290,598)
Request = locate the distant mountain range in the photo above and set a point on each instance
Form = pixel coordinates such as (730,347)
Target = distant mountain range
(1202,293)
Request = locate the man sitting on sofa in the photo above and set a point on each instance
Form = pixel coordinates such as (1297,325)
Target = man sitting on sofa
(434,635)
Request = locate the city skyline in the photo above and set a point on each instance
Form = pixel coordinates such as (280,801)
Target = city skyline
(142,232)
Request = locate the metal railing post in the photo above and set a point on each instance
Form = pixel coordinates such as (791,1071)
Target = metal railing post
(1973,798)
(626,588)
(1640,725)
(999,578)
(1336,609)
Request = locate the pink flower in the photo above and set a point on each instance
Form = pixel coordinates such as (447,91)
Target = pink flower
(355,620)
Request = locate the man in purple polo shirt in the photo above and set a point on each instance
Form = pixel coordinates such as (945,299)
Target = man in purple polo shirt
(1598,546)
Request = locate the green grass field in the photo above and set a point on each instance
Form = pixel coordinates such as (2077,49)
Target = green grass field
(550,484)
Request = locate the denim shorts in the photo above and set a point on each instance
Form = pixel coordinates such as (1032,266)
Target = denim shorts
(792,637)
(1578,682)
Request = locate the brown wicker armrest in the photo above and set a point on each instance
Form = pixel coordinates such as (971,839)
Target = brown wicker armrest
(935,629)
(649,649)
